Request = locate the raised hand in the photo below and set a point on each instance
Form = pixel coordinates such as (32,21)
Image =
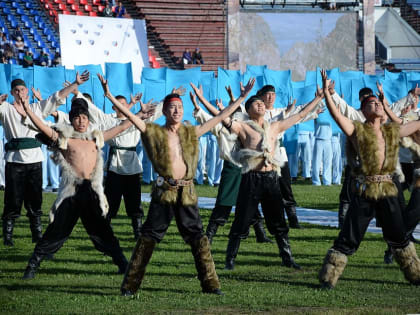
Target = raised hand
(380,88)
(3,97)
(247,88)
(196,90)
(219,104)
(136,98)
(331,88)
(194,101)
(180,91)
(82,78)
(149,107)
(325,81)
(230,93)
(291,106)
(36,93)
(104,84)
(319,92)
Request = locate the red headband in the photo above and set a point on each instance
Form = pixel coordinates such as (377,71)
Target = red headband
(171,100)
(367,99)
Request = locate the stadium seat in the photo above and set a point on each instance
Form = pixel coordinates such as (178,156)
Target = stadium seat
(80,13)
(20,55)
(57,1)
(92,13)
(29,5)
(96,2)
(15,5)
(47,6)
(13,61)
(24,18)
(14,24)
(62,7)
(101,8)
(40,44)
(83,2)
(70,1)
(88,8)
(6,10)
(2,4)
(65,12)
(28,24)
(75,7)
(20,11)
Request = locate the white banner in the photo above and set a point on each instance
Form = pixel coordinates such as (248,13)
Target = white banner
(96,40)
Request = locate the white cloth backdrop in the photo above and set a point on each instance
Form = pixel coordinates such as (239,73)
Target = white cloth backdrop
(96,40)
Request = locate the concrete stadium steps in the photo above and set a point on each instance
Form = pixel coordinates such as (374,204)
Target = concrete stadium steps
(179,24)
(410,15)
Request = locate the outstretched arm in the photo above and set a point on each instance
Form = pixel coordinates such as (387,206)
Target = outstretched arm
(202,129)
(388,110)
(409,128)
(111,133)
(345,124)
(80,79)
(133,118)
(45,129)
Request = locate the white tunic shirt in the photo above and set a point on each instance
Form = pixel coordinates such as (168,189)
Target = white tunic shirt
(17,127)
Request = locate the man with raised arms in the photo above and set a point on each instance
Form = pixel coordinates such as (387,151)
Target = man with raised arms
(173,150)
(77,149)
(376,148)
(261,169)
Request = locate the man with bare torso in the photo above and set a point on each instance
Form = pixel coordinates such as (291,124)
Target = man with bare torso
(77,151)
(173,150)
(261,169)
(375,147)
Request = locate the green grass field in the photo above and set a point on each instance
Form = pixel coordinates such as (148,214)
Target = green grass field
(82,281)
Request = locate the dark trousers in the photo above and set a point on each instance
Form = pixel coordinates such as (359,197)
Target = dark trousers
(264,188)
(160,215)
(408,170)
(127,186)
(285,182)
(412,211)
(23,185)
(361,212)
(345,194)
(84,204)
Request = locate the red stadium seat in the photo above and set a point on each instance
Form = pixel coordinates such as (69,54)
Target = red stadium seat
(66,12)
(92,13)
(83,2)
(70,1)
(88,8)
(75,7)
(79,13)
(47,6)
(96,2)
(62,7)
(57,1)
(101,8)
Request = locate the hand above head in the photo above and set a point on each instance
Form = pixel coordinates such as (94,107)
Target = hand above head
(135,99)
(230,93)
(247,88)
(180,91)
(219,104)
(325,80)
(331,88)
(37,94)
(75,91)
(291,106)
(416,90)
(320,92)
(3,97)
(81,78)
(197,91)
(149,107)
(194,101)
(380,88)
(104,84)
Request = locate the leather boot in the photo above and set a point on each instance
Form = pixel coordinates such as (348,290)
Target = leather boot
(136,224)
(286,252)
(8,232)
(342,211)
(121,262)
(137,266)
(231,252)
(36,228)
(260,232)
(204,263)
(33,266)
(293,219)
(211,230)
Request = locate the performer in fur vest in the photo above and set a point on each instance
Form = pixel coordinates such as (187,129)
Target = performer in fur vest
(173,150)
(377,148)
(77,149)
(261,169)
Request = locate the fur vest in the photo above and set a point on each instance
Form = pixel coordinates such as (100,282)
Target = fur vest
(250,159)
(69,179)
(155,141)
(367,147)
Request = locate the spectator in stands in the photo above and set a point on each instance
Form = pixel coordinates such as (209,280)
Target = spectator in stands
(107,12)
(119,10)
(197,57)
(8,51)
(19,45)
(28,60)
(186,57)
(3,42)
(17,33)
(57,59)
(44,60)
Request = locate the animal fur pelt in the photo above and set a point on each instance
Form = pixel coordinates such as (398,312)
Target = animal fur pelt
(69,179)
(250,159)
(332,268)
(409,143)
(409,262)
(367,148)
(155,141)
